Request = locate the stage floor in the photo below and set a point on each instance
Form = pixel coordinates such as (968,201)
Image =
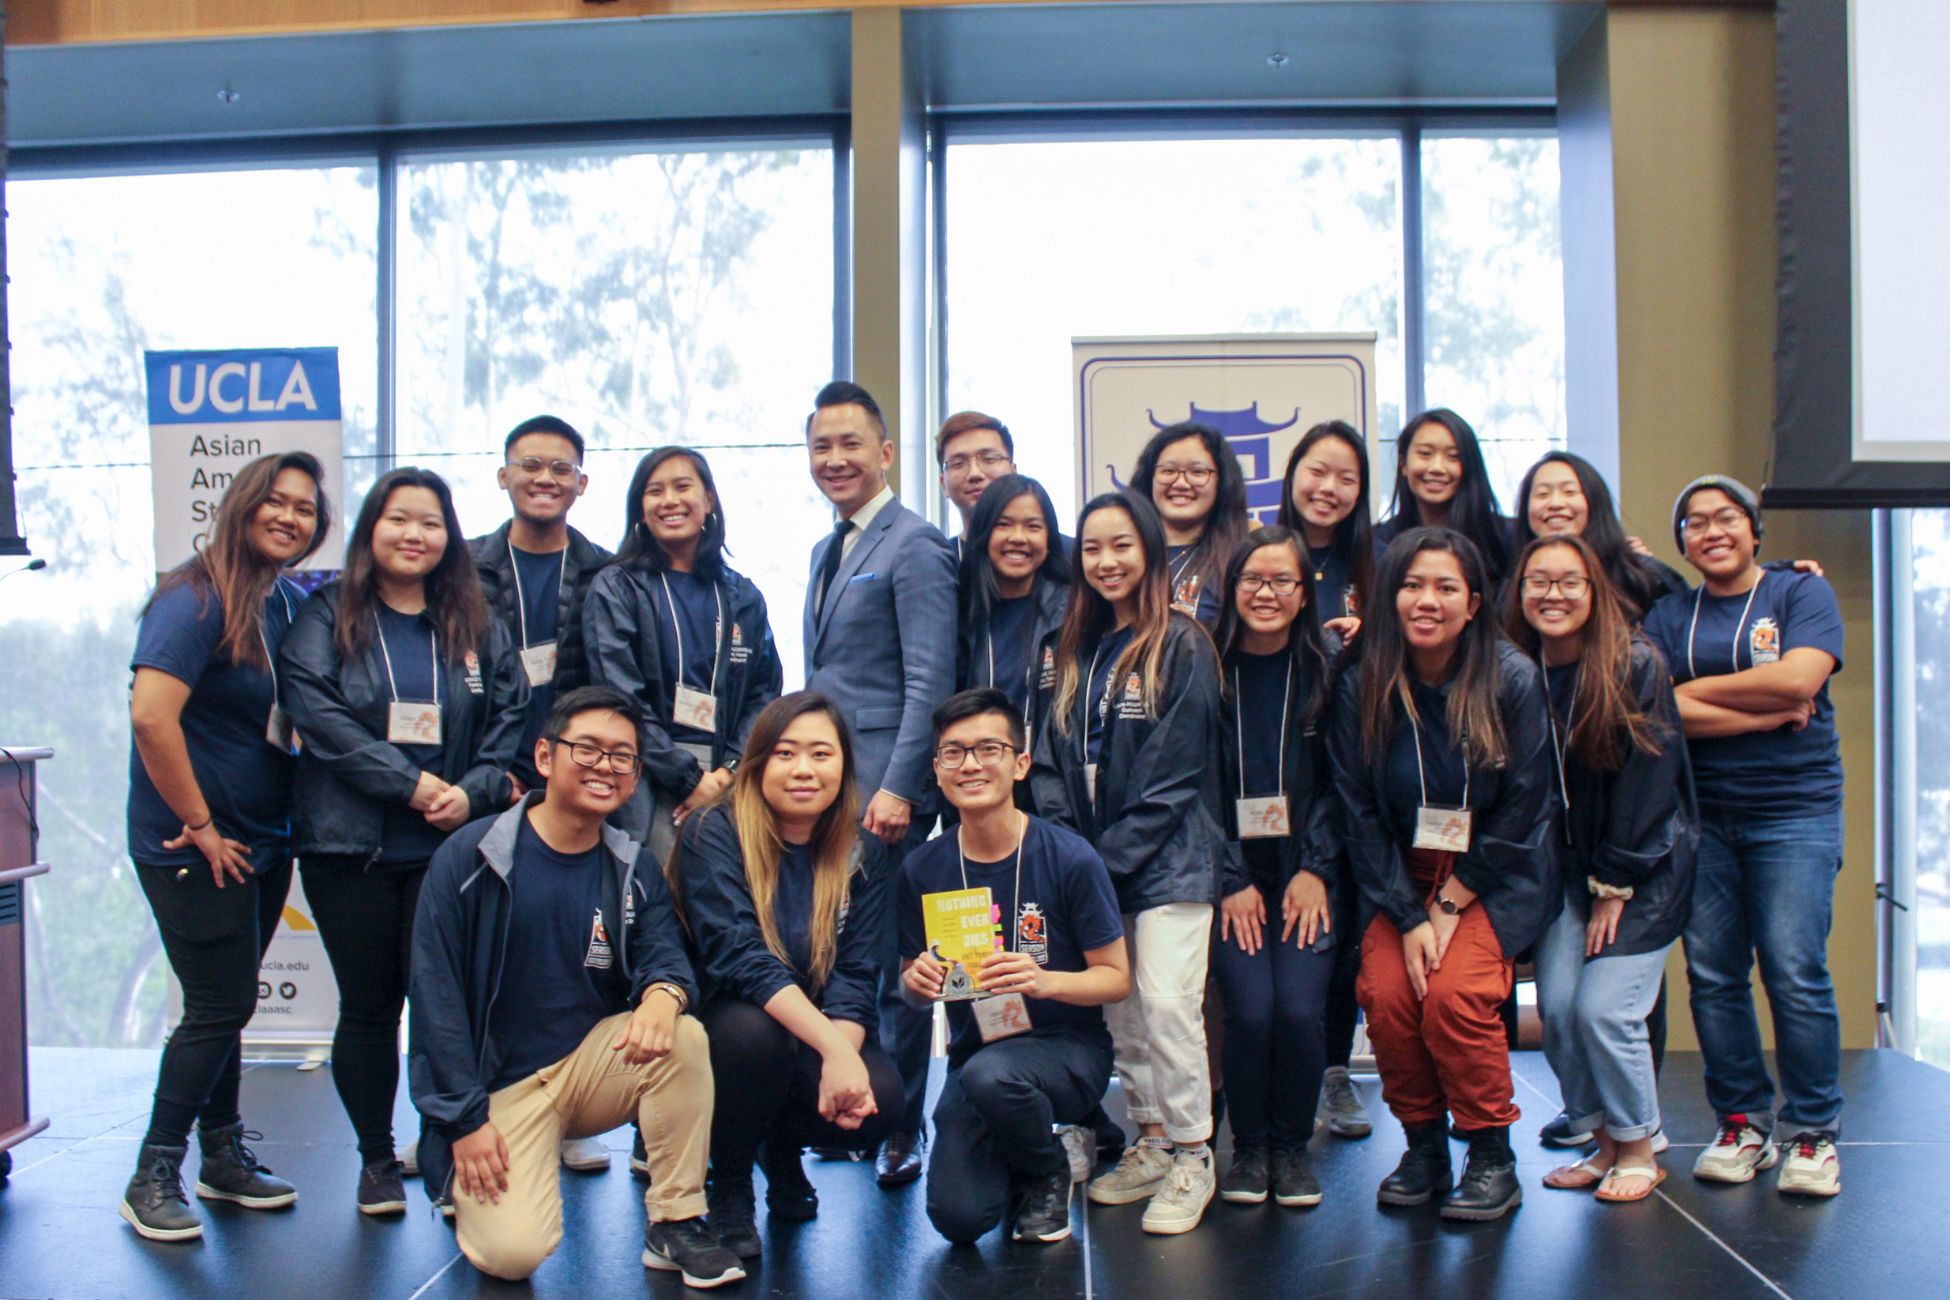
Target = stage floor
(1887,1234)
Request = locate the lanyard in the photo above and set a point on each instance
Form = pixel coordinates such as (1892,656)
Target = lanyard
(264,640)
(1570,725)
(1421,773)
(392,685)
(677,633)
(1184,563)
(521,603)
(1239,733)
(1015,899)
(1693,629)
(1103,701)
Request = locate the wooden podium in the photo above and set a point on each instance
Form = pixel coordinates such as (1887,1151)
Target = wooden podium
(19,861)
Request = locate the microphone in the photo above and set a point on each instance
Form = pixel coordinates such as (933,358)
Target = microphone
(29,567)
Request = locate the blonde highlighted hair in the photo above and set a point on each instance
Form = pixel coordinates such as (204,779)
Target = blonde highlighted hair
(1090,617)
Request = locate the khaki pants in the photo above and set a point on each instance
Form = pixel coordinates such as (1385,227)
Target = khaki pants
(588,1092)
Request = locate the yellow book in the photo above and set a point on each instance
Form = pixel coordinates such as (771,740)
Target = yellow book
(962,930)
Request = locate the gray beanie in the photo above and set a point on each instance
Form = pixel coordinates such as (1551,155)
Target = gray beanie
(1743,496)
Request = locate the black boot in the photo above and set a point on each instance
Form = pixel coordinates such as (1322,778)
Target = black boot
(154,1203)
(1489,1187)
(734,1211)
(789,1194)
(230,1171)
(1424,1168)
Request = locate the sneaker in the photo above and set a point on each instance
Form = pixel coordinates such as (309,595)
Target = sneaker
(687,1247)
(1737,1153)
(640,1158)
(1558,1133)
(230,1171)
(1249,1177)
(1340,1107)
(733,1212)
(1813,1167)
(381,1190)
(154,1203)
(1137,1177)
(1043,1214)
(445,1206)
(584,1155)
(1181,1203)
(408,1155)
(1079,1149)
(1294,1184)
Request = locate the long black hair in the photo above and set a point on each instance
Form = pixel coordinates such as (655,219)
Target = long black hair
(1354,535)
(455,604)
(1226,526)
(1305,643)
(1474,511)
(640,548)
(1602,531)
(978,592)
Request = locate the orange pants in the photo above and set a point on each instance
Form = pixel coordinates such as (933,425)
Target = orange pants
(1446,1053)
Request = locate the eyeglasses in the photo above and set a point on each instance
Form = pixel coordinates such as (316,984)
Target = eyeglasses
(988,460)
(1253,583)
(533,465)
(1196,475)
(1727,518)
(987,753)
(623,762)
(1571,584)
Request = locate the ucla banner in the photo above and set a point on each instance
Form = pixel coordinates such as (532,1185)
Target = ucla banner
(211,413)
(1260,391)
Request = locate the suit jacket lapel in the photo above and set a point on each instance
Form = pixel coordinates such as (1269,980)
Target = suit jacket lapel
(851,564)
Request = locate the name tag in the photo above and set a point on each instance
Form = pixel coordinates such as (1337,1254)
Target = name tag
(413,724)
(1090,781)
(277,731)
(538,661)
(1003,1015)
(1263,818)
(1445,830)
(696,709)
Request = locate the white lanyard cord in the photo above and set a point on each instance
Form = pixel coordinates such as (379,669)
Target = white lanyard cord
(1570,726)
(1184,563)
(1239,732)
(387,655)
(677,633)
(521,603)
(1693,630)
(1015,899)
(1421,773)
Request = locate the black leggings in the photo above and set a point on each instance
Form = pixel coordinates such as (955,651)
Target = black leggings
(1276,1039)
(366,922)
(1341,1009)
(768,1090)
(214,939)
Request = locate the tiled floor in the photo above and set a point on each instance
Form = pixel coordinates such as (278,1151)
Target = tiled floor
(1887,1235)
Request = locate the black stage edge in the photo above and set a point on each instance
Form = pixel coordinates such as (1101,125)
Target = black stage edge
(1888,1234)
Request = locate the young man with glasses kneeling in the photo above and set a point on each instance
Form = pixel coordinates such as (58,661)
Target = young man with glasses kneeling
(1029,1050)
(548,991)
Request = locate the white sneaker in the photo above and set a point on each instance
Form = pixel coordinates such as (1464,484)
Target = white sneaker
(408,1155)
(1813,1167)
(1738,1152)
(584,1155)
(1138,1175)
(1080,1149)
(1181,1203)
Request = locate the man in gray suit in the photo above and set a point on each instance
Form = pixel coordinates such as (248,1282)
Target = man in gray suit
(880,642)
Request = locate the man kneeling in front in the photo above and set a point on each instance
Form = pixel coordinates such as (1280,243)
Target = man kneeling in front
(548,989)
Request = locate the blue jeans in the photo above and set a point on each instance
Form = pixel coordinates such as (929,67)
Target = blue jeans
(1766,887)
(1594,1030)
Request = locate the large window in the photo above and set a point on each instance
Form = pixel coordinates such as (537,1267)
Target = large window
(1920,779)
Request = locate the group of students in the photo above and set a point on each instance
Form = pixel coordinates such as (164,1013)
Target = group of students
(558,796)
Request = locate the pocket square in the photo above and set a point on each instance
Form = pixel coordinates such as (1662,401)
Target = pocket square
(859,578)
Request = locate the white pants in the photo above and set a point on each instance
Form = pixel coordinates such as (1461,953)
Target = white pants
(1159,1031)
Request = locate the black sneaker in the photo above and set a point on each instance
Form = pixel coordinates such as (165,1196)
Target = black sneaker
(230,1171)
(1558,1133)
(789,1194)
(381,1189)
(734,1212)
(1043,1214)
(154,1203)
(1294,1184)
(688,1247)
(1248,1177)
(640,1158)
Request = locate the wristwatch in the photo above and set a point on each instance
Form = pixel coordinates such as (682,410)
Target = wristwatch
(1448,905)
(676,992)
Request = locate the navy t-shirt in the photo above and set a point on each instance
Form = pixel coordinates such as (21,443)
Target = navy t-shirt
(1002,652)
(1190,593)
(539,622)
(696,624)
(406,835)
(1104,662)
(1769,773)
(1333,582)
(792,905)
(244,778)
(1442,760)
(562,970)
(1066,908)
(1259,684)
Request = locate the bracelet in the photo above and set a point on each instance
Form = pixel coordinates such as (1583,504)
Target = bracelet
(677,994)
(1600,890)
(208,818)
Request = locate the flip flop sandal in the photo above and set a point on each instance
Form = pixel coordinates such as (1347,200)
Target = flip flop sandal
(1651,1173)
(1587,1174)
